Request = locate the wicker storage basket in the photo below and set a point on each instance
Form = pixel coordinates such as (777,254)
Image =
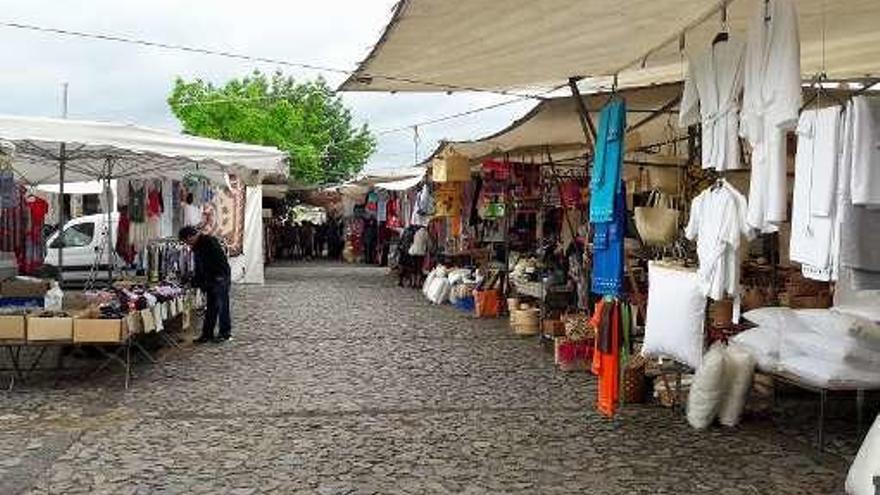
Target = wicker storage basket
(526,322)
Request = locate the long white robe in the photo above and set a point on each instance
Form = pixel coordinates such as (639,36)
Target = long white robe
(771,102)
(711,97)
(866,151)
(815,191)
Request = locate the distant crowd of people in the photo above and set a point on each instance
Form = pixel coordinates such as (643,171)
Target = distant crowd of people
(308,241)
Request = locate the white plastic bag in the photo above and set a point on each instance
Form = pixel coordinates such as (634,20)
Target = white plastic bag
(866,466)
(739,368)
(708,388)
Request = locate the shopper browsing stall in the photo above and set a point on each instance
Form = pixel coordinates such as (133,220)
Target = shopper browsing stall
(212,275)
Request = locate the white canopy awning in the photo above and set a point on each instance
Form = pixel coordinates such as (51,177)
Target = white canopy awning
(456,45)
(401,185)
(134,151)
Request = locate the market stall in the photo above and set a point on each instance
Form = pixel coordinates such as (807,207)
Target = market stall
(157,173)
(762,196)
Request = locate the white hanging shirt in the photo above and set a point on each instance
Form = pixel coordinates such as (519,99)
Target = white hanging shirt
(419,245)
(865,185)
(192,215)
(711,96)
(717,221)
(771,103)
(815,191)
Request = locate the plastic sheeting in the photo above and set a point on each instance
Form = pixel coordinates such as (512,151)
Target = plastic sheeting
(458,45)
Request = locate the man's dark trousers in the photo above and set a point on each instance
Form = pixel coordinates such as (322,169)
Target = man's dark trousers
(217,295)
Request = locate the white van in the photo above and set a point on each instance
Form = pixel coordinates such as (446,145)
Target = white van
(81,240)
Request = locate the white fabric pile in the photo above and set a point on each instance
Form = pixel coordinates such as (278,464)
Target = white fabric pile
(821,347)
(720,387)
(440,284)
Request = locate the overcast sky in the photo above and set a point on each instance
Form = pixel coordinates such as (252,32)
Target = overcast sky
(121,82)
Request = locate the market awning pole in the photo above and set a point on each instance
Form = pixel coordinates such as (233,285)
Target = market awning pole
(62,158)
(583,113)
(108,194)
(62,162)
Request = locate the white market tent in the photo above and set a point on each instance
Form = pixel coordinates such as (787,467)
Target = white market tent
(458,45)
(54,151)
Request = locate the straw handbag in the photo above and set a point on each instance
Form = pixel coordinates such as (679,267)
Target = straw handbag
(657,222)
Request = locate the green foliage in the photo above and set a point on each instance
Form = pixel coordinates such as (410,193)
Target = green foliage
(307,120)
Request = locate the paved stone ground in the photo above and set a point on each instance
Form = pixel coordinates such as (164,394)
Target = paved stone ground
(340,382)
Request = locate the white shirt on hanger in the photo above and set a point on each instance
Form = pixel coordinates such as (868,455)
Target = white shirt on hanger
(771,103)
(192,215)
(717,221)
(711,96)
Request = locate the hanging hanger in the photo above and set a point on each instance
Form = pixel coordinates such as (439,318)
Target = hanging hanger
(722,35)
(766,10)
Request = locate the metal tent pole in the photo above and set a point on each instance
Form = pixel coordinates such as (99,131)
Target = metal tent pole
(62,162)
(108,194)
(62,159)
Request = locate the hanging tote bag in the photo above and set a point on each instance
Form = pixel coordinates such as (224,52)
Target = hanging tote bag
(657,223)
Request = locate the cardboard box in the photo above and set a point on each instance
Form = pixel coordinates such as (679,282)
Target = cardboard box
(12,328)
(24,287)
(49,329)
(99,331)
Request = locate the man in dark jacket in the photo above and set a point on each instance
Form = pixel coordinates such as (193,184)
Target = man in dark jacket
(212,275)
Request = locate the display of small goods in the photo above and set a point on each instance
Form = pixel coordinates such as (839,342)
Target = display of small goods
(31,312)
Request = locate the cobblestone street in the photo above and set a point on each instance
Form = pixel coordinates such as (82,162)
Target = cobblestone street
(340,382)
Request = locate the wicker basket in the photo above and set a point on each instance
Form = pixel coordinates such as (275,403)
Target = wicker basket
(526,322)
(634,380)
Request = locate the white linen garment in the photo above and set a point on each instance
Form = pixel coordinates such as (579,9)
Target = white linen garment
(771,102)
(866,151)
(717,222)
(815,191)
(711,97)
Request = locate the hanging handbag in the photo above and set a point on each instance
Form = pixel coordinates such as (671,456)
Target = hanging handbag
(657,223)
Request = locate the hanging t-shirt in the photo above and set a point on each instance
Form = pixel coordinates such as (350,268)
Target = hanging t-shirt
(192,215)
(35,248)
(7,189)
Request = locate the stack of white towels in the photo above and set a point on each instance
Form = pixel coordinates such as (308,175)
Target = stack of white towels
(820,347)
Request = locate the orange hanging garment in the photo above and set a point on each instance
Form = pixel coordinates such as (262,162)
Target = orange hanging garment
(608,348)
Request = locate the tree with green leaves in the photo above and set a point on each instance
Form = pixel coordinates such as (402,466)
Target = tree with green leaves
(305,119)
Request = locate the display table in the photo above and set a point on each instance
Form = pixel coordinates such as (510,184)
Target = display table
(114,338)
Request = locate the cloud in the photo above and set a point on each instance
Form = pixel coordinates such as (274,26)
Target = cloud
(120,82)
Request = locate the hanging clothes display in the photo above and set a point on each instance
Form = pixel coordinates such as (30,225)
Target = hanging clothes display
(7,188)
(423,208)
(771,103)
(711,97)
(865,181)
(14,226)
(123,235)
(858,224)
(34,245)
(608,320)
(608,252)
(815,187)
(605,181)
(717,222)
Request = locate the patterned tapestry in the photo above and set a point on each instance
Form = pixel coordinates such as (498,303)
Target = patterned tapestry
(224,216)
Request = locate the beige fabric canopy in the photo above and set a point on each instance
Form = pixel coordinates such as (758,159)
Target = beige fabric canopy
(552,128)
(456,45)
